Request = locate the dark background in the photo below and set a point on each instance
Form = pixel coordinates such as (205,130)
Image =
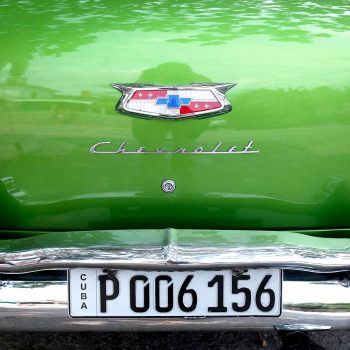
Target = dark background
(176,340)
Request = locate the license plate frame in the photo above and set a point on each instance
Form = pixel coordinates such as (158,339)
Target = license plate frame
(232,293)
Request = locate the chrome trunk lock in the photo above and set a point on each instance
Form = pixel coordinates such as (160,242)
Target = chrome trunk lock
(168,186)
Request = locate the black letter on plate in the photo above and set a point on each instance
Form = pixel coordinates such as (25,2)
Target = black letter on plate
(103,290)
(133,305)
(170,293)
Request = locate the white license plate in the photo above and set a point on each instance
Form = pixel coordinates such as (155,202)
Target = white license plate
(127,293)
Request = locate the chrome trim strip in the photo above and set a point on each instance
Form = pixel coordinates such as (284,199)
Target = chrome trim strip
(43,306)
(174,256)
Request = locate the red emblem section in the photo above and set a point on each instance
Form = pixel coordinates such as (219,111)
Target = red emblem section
(148,94)
(199,106)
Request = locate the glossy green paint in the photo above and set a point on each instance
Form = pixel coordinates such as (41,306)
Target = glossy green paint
(291,63)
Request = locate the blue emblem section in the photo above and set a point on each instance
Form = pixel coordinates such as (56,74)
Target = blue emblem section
(174,101)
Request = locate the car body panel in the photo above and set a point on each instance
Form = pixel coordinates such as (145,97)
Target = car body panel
(290,61)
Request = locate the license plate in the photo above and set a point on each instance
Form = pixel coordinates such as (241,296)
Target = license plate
(200,293)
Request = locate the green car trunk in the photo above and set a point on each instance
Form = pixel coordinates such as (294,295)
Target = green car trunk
(289,59)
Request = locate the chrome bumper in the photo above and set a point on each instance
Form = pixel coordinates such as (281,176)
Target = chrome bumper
(316,284)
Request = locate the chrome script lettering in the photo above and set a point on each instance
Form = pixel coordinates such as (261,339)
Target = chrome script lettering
(98,148)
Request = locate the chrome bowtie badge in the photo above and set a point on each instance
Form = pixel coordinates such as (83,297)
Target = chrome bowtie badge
(174,102)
